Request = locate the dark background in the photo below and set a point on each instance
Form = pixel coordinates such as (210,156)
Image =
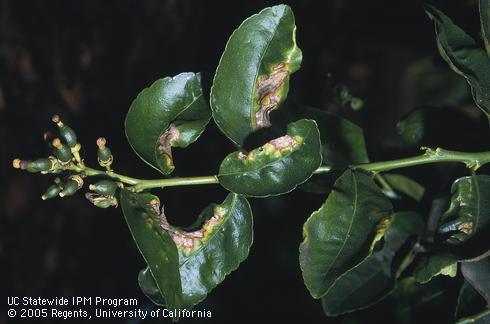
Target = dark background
(87,60)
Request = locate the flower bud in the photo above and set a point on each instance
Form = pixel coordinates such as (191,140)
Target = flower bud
(42,164)
(104,187)
(66,132)
(24,165)
(17,163)
(101,201)
(62,152)
(356,104)
(71,186)
(104,154)
(51,192)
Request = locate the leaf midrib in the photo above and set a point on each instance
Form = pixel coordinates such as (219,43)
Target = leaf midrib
(349,230)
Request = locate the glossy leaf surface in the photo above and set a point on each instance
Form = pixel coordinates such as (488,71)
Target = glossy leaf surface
(208,251)
(222,238)
(276,167)
(170,113)
(252,77)
(464,56)
(156,246)
(374,277)
(336,234)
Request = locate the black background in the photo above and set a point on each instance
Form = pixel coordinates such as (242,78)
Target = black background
(87,60)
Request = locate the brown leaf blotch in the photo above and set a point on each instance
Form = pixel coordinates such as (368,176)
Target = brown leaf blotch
(267,99)
(466,228)
(283,142)
(170,135)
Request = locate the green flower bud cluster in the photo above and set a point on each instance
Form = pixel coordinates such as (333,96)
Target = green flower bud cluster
(64,153)
(66,159)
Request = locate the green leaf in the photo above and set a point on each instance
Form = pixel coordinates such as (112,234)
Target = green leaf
(468,216)
(149,286)
(209,250)
(337,234)
(373,278)
(342,144)
(155,245)
(484,6)
(480,318)
(464,56)
(433,264)
(463,228)
(469,301)
(405,185)
(276,167)
(170,113)
(342,141)
(477,274)
(252,77)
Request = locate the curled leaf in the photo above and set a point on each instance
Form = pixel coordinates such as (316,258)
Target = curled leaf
(170,113)
(219,242)
(208,251)
(156,246)
(464,56)
(276,167)
(252,78)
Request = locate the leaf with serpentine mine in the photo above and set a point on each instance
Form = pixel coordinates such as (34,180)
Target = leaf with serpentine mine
(170,113)
(252,78)
(276,167)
